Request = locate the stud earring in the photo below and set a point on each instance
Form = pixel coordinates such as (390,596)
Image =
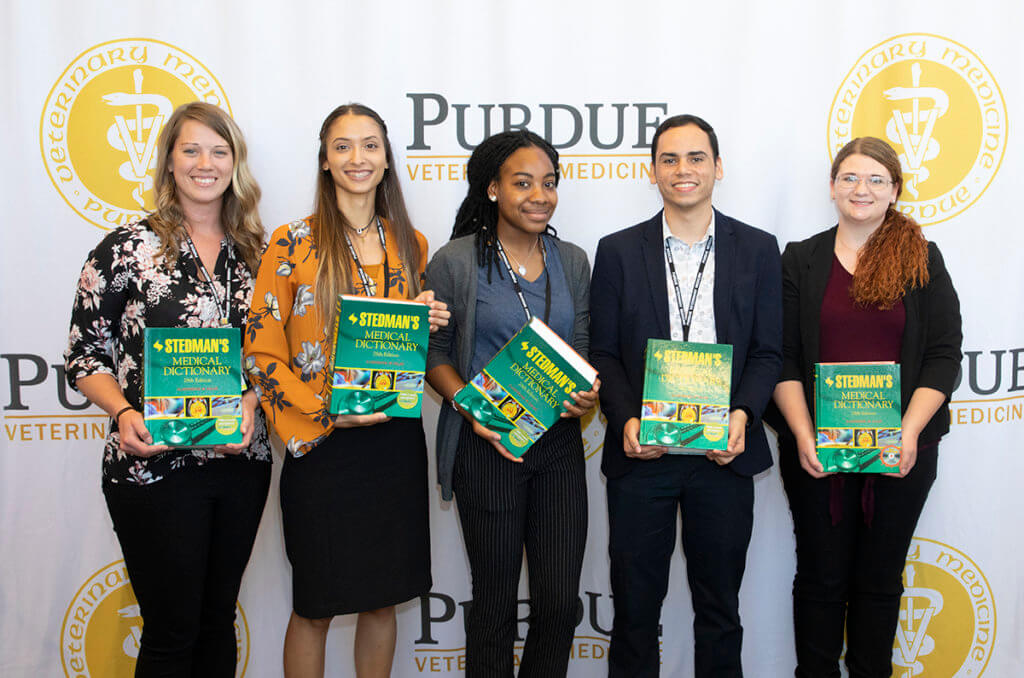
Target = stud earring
(493,198)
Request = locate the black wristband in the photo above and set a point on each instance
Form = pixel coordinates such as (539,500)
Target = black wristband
(117,417)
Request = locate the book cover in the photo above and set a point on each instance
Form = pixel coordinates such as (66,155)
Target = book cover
(380,356)
(519,393)
(686,396)
(192,385)
(857,417)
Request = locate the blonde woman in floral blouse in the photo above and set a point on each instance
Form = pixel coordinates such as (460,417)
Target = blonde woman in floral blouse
(186,519)
(353,487)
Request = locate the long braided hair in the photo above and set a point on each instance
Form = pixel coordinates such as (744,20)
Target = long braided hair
(477,214)
(895,257)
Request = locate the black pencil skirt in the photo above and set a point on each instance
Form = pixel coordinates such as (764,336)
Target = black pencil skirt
(356,522)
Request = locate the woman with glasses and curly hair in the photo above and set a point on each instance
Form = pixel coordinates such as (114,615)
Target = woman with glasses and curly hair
(871,288)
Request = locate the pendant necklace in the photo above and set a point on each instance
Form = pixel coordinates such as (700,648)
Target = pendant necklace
(521,268)
(364,229)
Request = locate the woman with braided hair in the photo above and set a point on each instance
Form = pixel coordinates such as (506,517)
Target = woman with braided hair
(503,265)
(871,288)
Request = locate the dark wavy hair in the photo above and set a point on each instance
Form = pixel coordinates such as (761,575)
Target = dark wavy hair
(477,214)
(895,257)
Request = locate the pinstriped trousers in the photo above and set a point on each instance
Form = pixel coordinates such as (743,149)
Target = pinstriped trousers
(504,507)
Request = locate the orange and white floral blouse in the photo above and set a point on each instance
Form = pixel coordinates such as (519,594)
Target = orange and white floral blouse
(288,352)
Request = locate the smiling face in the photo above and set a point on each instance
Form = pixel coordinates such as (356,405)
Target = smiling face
(525,191)
(356,157)
(861,204)
(684,169)
(201,163)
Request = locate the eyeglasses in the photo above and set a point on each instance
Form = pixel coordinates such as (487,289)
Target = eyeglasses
(875,182)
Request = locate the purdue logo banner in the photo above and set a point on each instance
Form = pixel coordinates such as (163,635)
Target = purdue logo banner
(938,105)
(947,624)
(102,119)
(89,89)
(102,628)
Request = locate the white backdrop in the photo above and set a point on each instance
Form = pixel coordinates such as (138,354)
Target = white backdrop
(781,82)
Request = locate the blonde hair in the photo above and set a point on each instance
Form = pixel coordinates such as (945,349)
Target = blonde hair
(334,273)
(239,214)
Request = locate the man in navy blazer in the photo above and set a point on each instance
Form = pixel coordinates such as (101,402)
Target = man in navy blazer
(726,289)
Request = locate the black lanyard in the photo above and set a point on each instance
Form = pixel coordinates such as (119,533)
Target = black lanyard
(225,318)
(688,316)
(519,289)
(368,284)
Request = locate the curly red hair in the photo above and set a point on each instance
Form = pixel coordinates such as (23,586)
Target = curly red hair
(894,260)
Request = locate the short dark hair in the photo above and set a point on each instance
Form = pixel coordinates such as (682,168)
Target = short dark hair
(682,121)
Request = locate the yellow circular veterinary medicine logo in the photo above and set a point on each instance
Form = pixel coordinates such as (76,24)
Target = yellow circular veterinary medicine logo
(103,626)
(101,121)
(938,105)
(947,624)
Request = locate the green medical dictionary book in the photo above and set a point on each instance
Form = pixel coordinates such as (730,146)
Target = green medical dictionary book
(686,396)
(192,385)
(380,355)
(519,393)
(857,417)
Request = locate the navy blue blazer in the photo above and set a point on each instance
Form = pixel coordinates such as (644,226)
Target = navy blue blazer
(629,304)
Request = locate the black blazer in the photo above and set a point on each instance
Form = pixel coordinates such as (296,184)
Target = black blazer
(930,352)
(629,304)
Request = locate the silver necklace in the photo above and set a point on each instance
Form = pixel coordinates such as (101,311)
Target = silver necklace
(364,229)
(521,268)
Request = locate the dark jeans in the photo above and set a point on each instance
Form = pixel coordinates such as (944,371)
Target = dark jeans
(186,541)
(850,575)
(718,512)
(541,505)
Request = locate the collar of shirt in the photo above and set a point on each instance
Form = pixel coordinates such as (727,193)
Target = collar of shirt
(687,261)
(673,241)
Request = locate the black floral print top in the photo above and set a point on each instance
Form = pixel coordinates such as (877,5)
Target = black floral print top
(124,288)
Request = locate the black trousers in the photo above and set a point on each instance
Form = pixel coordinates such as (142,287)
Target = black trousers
(850,575)
(541,505)
(718,513)
(186,541)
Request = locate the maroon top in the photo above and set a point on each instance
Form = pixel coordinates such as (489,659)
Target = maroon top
(852,333)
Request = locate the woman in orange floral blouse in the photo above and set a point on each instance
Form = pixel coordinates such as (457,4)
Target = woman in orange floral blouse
(353,487)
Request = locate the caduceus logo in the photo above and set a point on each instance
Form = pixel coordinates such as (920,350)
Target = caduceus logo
(103,627)
(912,130)
(940,108)
(137,136)
(919,606)
(947,622)
(102,120)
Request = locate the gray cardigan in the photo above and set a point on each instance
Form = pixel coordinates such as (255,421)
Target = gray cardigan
(451,274)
